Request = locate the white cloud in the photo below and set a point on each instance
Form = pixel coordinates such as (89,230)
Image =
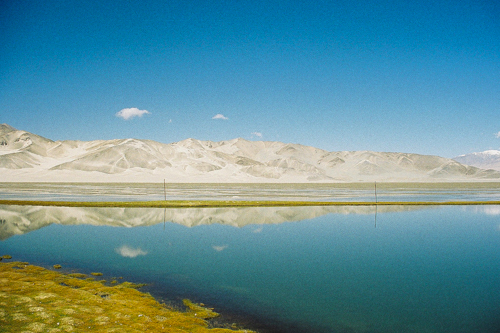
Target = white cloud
(219,248)
(497,135)
(130,113)
(258,134)
(129,252)
(220,116)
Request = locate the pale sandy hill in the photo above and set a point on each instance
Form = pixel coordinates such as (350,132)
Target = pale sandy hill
(28,157)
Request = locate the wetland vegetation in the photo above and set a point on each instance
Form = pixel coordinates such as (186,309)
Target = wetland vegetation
(35,299)
(225,204)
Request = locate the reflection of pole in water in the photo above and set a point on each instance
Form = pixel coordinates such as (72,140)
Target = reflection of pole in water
(376,205)
(164,217)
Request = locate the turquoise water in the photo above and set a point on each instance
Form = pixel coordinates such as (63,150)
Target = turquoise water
(287,269)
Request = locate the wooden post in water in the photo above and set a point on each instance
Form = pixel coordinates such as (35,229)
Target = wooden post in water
(376,206)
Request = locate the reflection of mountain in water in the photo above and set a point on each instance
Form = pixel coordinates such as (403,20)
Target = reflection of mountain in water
(18,220)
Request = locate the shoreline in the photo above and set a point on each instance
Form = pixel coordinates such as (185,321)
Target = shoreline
(43,276)
(36,299)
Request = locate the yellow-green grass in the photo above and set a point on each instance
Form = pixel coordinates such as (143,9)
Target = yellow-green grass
(227,203)
(35,299)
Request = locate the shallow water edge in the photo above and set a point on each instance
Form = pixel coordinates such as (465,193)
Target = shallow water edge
(38,299)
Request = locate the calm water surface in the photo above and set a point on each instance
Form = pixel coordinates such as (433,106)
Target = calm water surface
(317,192)
(313,269)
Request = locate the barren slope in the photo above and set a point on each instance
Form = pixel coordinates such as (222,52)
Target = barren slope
(28,157)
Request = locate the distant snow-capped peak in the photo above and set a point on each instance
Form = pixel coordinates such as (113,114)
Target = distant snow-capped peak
(486,153)
(488,159)
(490,152)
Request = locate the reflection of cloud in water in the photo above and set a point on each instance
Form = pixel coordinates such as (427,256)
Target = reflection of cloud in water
(129,252)
(492,210)
(488,210)
(258,230)
(219,248)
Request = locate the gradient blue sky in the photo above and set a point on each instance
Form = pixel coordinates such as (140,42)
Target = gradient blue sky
(401,76)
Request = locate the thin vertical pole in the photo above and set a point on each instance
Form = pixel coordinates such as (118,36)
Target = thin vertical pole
(376,206)
(165,189)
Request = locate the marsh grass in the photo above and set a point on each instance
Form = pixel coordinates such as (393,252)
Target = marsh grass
(35,299)
(227,203)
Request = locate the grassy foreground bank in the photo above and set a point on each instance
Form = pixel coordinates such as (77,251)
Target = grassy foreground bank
(34,299)
(227,203)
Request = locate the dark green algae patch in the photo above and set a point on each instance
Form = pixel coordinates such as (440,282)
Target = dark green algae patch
(225,203)
(34,299)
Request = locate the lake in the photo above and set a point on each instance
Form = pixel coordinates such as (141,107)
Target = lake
(288,269)
(345,192)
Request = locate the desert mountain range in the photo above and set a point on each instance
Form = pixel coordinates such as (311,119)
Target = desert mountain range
(28,157)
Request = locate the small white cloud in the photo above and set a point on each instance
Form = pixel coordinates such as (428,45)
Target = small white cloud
(129,252)
(130,113)
(258,230)
(497,135)
(220,116)
(258,134)
(219,248)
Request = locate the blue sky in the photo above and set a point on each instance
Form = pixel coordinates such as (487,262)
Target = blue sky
(401,76)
